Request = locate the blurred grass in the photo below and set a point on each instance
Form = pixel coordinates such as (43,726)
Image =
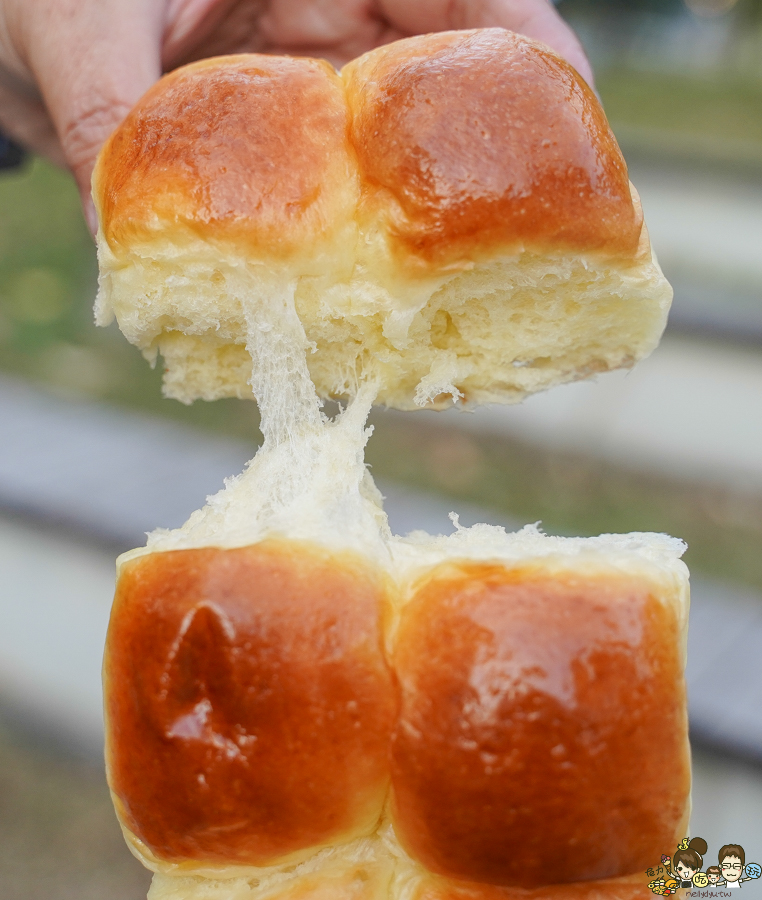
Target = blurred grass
(48,282)
(711,120)
(59,838)
(710,107)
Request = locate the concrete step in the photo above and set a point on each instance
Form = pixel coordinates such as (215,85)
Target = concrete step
(692,410)
(707,232)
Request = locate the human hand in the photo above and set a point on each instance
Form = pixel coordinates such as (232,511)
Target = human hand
(70,70)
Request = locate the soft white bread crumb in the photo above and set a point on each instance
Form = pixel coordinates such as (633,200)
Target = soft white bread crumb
(490,334)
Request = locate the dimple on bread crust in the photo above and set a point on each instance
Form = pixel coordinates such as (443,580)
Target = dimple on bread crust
(248,700)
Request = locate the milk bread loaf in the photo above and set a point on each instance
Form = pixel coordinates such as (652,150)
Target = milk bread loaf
(450,216)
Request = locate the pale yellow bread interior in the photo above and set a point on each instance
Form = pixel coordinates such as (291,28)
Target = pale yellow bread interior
(491,333)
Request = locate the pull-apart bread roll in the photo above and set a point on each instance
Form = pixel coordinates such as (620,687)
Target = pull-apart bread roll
(450,215)
(481,715)
(300,705)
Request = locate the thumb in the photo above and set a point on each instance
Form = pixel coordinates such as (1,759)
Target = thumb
(92,60)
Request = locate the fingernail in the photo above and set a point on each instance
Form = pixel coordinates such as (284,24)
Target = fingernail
(91,217)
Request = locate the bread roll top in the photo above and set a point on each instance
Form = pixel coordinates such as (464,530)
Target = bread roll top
(543,690)
(249,703)
(249,151)
(481,142)
(460,143)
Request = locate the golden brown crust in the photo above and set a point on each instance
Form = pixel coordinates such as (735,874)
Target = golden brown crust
(532,722)
(469,143)
(542,735)
(474,141)
(248,702)
(245,148)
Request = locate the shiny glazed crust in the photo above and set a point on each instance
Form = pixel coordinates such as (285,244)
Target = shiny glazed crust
(471,144)
(510,150)
(249,150)
(248,700)
(531,720)
(544,695)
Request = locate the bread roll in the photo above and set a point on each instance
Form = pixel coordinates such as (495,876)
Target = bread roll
(524,752)
(449,218)
(252,701)
(479,714)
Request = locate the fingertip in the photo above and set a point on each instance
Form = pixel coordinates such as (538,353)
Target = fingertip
(91,216)
(83,177)
(586,71)
(116,46)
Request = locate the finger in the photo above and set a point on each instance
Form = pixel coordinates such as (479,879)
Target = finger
(336,30)
(196,29)
(295,23)
(536,19)
(92,60)
(27,122)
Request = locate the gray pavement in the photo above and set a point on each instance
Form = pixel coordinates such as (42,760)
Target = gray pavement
(102,472)
(707,231)
(691,410)
(55,597)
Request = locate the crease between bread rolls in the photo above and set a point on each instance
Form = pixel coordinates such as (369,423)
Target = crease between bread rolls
(434,231)
(300,704)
